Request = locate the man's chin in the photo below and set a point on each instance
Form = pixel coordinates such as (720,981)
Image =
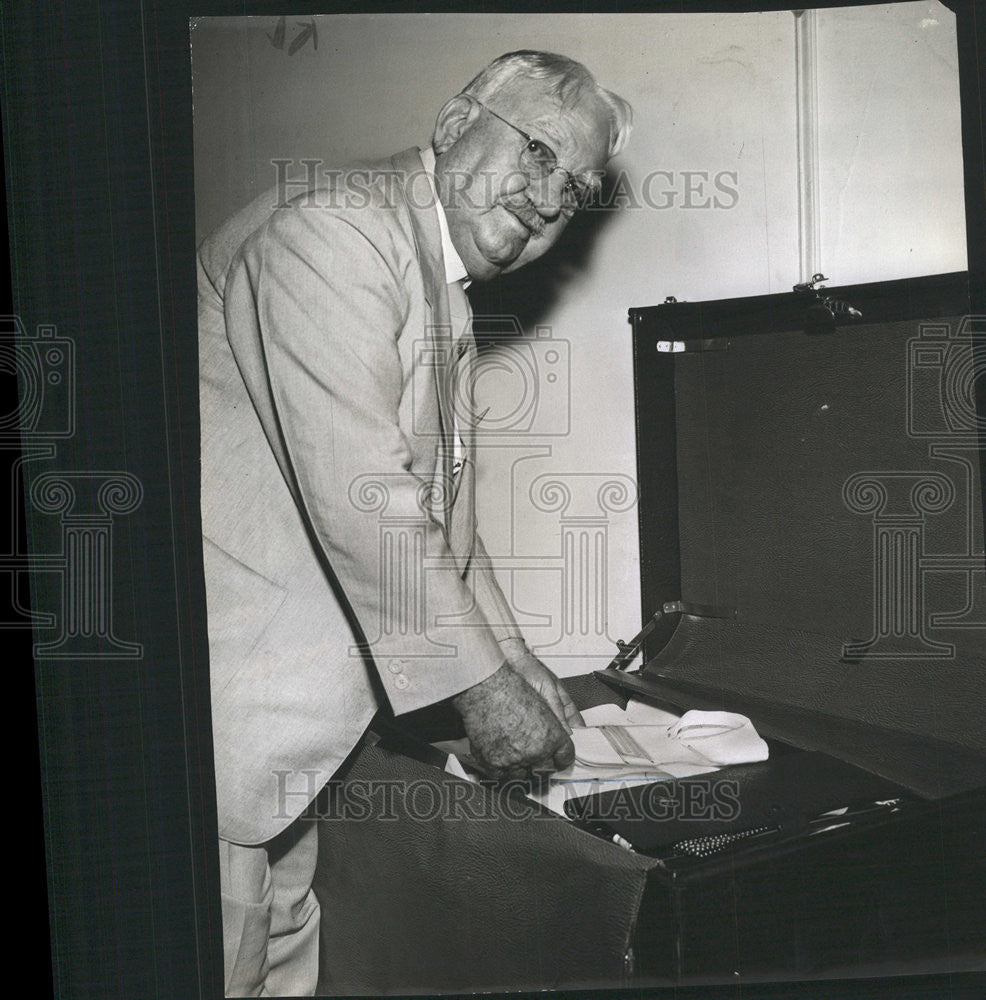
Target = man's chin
(504,254)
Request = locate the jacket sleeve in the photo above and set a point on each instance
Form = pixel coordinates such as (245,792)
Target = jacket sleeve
(490,597)
(328,298)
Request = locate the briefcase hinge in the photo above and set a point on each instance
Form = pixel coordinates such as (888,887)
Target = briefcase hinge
(628,650)
(824,313)
(698,610)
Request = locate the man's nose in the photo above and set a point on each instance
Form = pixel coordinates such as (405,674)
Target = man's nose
(546,193)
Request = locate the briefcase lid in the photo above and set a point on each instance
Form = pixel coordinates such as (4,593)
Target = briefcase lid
(811,506)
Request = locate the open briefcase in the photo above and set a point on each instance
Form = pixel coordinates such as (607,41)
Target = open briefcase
(811,526)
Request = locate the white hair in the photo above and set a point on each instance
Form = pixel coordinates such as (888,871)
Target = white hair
(564,78)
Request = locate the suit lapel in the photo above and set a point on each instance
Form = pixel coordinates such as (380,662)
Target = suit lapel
(417,195)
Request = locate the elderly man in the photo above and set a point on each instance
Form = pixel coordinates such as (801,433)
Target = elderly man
(333,330)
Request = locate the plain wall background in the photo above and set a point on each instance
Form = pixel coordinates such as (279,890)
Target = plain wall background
(712,93)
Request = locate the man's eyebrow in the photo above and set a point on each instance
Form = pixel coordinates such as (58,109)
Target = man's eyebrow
(549,127)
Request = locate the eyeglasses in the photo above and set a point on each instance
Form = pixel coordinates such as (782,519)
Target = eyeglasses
(539,162)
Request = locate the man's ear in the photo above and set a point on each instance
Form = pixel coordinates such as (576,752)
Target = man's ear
(454,118)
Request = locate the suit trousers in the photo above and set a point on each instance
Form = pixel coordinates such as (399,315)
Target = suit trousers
(270,914)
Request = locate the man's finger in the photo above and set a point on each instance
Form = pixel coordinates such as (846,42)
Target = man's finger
(552,694)
(572,715)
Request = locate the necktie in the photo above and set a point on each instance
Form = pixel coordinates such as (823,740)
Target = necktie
(461,528)
(460,317)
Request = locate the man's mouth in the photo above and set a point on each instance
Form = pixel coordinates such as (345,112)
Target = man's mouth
(528,218)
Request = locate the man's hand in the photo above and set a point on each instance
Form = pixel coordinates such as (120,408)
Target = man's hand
(512,731)
(543,681)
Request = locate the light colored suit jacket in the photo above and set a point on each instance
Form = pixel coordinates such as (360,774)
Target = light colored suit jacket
(326,414)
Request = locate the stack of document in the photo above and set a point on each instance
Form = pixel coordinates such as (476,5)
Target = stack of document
(619,748)
(644,738)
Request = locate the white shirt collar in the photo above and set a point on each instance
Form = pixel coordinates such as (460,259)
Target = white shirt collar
(455,270)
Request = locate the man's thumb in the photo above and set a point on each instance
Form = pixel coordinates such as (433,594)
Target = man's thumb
(564,756)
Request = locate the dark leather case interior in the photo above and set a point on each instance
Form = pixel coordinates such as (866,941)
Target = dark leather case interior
(823,492)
